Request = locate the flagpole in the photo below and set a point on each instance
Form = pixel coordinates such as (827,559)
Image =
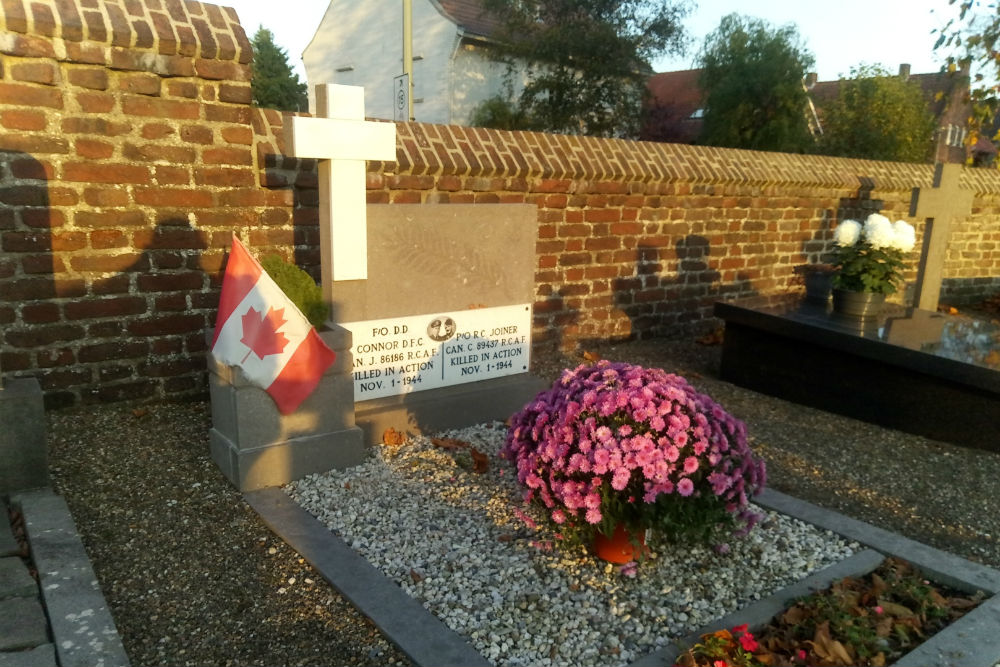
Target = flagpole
(408,54)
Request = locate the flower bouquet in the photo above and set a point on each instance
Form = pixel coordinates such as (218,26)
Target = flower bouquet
(870,256)
(615,445)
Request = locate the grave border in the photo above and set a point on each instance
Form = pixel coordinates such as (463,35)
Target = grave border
(426,640)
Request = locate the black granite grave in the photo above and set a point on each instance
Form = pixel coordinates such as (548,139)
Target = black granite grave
(912,370)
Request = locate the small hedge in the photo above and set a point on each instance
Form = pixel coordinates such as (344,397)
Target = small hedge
(299,287)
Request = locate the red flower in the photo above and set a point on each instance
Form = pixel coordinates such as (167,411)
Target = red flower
(740,629)
(720,663)
(748,642)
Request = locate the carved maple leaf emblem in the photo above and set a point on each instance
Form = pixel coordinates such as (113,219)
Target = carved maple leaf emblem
(260,332)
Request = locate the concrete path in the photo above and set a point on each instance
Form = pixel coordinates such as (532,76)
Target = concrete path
(52,611)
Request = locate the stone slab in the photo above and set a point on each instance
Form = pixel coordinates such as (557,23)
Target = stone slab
(22,624)
(40,656)
(8,543)
(802,353)
(82,627)
(418,633)
(424,259)
(23,443)
(15,581)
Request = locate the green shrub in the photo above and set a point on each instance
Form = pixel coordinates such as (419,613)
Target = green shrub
(299,287)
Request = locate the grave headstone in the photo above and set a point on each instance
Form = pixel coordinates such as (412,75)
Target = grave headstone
(442,326)
(938,207)
(24,461)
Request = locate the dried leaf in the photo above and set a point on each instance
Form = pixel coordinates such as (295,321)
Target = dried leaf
(713,338)
(140,412)
(506,537)
(450,444)
(392,437)
(878,660)
(592,357)
(480,461)
(416,576)
(828,648)
(896,609)
(794,616)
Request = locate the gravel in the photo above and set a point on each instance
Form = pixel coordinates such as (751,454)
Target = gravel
(459,542)
(193,577)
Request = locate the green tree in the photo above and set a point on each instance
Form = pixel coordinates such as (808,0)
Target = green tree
(274,85)
(971,43)
(879,116)
(586,61)
(752,83)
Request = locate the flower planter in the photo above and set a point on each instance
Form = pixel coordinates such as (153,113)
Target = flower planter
(818,286)
(857,305)
(622,547)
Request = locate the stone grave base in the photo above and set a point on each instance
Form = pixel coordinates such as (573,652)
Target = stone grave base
(256,446)
(456,406)
(23,444)
(891,371)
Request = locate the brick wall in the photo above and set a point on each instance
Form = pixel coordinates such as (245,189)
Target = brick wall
(129,154)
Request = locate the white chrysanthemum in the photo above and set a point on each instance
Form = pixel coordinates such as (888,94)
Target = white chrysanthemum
(905,235)
(847,233)
(878,231)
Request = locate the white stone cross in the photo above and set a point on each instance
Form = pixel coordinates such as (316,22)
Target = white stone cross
(938,206)
(342,140)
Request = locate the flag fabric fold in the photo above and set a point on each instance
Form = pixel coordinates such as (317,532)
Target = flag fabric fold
(262,332)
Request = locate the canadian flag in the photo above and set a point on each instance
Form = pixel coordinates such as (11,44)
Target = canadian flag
(260,330)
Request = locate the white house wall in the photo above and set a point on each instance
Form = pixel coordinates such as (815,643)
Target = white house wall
(475,78)
(359,43)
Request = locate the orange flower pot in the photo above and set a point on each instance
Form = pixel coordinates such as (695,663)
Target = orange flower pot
(621,547)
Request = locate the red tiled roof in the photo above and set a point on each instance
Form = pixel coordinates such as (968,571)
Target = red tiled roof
(471,16)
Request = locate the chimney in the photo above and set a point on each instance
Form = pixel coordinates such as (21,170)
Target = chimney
(811,78)
(904,71)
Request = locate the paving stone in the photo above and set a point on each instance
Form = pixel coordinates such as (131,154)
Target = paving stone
(15,582)
(8,545)
(40,656)
(22,624)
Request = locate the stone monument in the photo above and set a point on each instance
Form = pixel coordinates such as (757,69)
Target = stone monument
(24,462)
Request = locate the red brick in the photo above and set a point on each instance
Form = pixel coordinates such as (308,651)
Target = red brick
(176,197)
(157,130)
(109,307)
(93,125)
(123,218)
(22,119)
(105,173)
(166,325)
(158,153)
(133,105)
(106,239)
(239,115)
(40,313)
(20,94)
(93,149)
(33,144)
(140,84)
(221,71)
(43,218)
(35,72)
(198,134)
(25,195)
(165,175)
(42,264)
(235,94)
(224,176)
(182,89)
(105,197)
(95,102)
(116,350)
(170,282)
(227,155)
(33,169)
(238,135)
(43,335)
(128,261)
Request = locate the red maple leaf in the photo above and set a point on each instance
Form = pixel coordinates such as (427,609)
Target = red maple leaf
(261,334)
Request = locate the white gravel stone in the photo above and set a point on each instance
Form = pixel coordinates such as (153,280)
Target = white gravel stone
(453,540)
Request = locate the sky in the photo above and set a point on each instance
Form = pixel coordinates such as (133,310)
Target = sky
(840,34)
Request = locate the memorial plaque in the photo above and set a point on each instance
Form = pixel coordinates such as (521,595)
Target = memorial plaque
(407,354)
